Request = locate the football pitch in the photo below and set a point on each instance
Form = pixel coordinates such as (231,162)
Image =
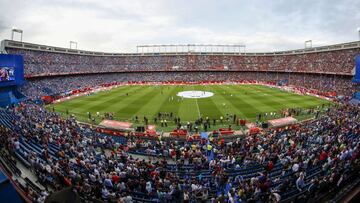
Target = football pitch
(127,102)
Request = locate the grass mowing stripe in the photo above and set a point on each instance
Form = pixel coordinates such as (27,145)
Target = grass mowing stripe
(208,106)
(246,101)
(273,102)
(293,100)
(115,99)
(286,101)
(241,103)
(187,106)
(97,98)
(252,98)
(266,100)
(169,106)
(128,110)
(220,99)
(94,106)
(151,108)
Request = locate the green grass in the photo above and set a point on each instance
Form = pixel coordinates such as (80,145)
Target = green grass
(246,101)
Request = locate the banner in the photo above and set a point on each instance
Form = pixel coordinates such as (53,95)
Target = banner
(118,125)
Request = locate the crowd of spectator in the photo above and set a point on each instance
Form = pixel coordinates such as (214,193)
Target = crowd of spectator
(52,63)
(37,87)
(307,159)
(333,70)
(266,167)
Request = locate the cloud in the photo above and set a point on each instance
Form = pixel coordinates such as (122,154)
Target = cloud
(120,25)
(3,26)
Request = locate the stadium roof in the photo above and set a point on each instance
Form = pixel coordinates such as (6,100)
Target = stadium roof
(121,25)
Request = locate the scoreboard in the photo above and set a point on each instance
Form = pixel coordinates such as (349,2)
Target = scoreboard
(11,70)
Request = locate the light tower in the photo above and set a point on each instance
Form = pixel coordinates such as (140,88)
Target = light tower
(73,43)
(308,44)
(15,30)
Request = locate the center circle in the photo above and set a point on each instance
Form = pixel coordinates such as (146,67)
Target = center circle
(195,94)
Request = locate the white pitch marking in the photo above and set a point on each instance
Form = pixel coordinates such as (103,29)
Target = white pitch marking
(197,105)
(195,94)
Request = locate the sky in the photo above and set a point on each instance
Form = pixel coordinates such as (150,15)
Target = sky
(121,25)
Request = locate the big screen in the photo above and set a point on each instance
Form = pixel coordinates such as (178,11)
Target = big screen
(7,74)
(357,70)
(11,70)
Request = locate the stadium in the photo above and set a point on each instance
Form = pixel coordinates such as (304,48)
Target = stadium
(179,123)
